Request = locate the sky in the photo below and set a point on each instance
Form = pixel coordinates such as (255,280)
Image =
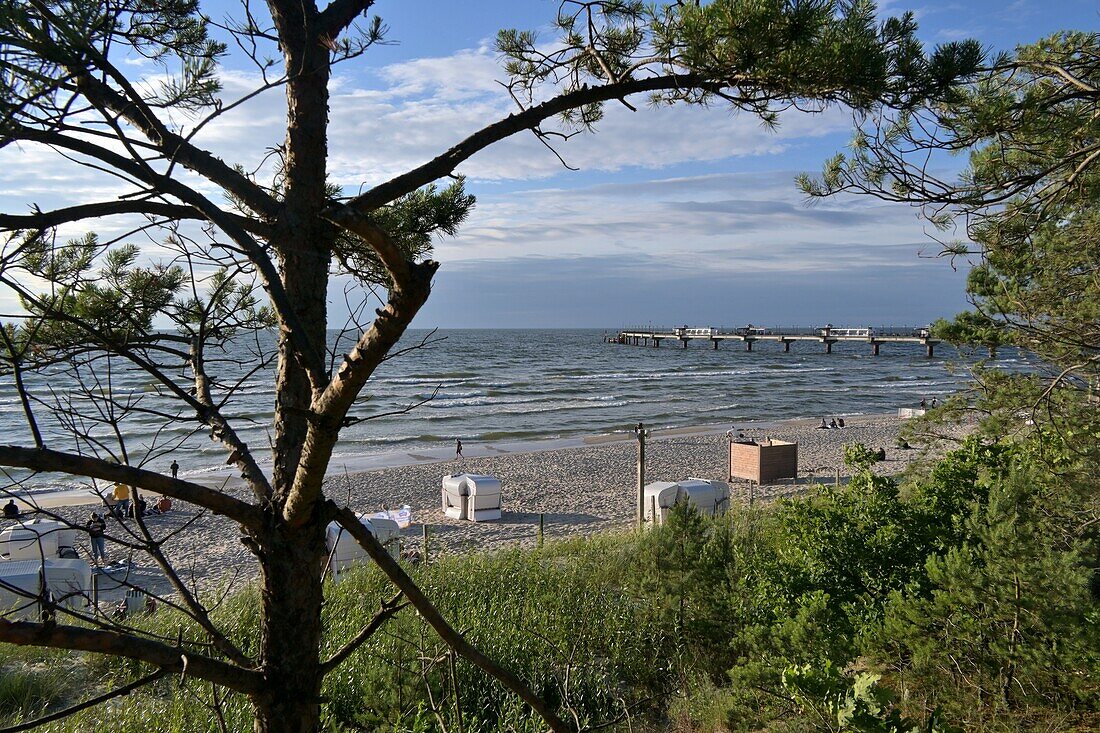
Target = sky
(676,215)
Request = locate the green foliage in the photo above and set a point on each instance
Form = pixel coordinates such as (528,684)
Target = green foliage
(1009,608)
(972,327)
(963,587)
(562,617)
(849,546)
(852,704)
(95,295)
(1030,198)
(859,457)
(962,479)
(768,53)
(412,222)
(47,44)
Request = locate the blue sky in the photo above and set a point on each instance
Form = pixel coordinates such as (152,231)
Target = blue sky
(675,216)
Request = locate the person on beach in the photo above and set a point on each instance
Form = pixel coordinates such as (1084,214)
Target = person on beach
(11,511)
(137,509)
(923,403)
(122,499)
(832,424)
(175,468)
(823,425)
(933,402)
(96,528)
(458,449)
(840,422)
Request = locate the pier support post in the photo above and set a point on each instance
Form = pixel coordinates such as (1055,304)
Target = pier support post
(656,343)
(685,341)
(930,349)
(828,347)
(786,347)
(715,343)
(874,348)
(748,344)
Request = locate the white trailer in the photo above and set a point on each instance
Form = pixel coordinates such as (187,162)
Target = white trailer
(67,582)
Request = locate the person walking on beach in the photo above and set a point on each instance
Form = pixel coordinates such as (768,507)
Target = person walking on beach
(96,528)
(458,449)
(122,499)
(175,468)
(923,403)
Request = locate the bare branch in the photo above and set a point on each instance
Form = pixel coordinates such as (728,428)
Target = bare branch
(50,219)
(168,658)
(51,461)
(349,214)
(389,608)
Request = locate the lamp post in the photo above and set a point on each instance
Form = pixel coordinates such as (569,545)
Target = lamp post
(640,431)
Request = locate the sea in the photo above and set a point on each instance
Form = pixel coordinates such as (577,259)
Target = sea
(508,390)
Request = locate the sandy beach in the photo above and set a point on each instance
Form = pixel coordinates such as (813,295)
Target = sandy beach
(579,491)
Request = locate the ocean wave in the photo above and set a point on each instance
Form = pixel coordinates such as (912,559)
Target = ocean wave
(656,376)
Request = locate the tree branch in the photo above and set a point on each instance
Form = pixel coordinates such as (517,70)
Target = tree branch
(348,214)
(269,276)
(134,109)
(51,461)
(50,219)
(389,608)
(340,14)
(331,407)
(101,641)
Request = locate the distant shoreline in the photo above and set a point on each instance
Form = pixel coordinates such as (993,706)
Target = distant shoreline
(356,465)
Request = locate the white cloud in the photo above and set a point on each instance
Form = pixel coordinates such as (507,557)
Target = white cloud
(424,107)
(756,222)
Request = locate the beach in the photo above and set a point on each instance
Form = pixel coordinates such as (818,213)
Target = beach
(579,490)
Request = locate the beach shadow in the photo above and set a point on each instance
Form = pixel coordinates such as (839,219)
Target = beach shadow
(507,520)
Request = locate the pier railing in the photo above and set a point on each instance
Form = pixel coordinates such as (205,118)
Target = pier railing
(827,334)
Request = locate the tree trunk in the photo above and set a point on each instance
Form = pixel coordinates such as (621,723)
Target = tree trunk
(290,624)
(302,240)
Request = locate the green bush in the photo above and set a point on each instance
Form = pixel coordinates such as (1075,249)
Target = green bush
(967,588)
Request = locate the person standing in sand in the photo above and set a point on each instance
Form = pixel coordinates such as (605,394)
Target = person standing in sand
(175,468)
(96,528)
(458,449)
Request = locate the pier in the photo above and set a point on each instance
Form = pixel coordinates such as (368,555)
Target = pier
(825,335)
